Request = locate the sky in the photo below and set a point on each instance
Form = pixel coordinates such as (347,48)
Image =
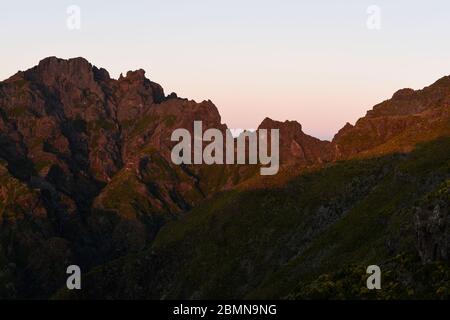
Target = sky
(322,63)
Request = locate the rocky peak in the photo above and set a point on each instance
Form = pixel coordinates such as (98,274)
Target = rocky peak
(408,101)
(398,124)
(137,75)
(403,93)
(138,91)
(443,82)
(52,71)
(344,130)
(101,74)
(296,147)
(289,126)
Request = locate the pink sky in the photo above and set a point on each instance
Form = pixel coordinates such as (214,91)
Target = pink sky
(314,62)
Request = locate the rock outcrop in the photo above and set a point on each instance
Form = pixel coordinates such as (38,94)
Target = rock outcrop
(296,147)
(432,222)
(398,124)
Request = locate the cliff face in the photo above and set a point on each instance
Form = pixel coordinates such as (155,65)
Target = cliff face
(68,124)
(398,124)
(86,171)
(296,147)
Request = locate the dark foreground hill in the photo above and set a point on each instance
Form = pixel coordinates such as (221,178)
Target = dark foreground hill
(312,238)
(86,178)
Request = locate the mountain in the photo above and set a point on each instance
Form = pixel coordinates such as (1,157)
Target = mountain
(97,153)
(398,124)
(87,179)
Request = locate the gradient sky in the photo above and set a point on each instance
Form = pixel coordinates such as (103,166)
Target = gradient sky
(311,61)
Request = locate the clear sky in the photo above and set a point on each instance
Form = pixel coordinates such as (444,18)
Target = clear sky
(316,62)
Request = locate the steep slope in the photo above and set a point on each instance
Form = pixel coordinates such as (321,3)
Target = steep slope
(319,231)
(398,124)
(296,147)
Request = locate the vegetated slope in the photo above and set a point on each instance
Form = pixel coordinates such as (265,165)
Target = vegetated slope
(312,238)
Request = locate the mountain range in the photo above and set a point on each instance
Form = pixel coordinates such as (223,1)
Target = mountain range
(86,178)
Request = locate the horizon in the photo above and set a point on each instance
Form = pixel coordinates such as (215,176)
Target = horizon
(323,66)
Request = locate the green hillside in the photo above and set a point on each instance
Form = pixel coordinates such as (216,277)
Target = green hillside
(311,238)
